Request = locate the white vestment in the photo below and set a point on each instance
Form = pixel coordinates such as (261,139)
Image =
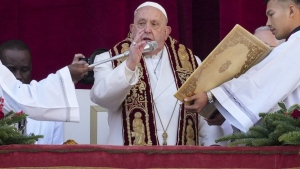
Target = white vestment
(51,99)
(52,131)
(112,85)
(275,79)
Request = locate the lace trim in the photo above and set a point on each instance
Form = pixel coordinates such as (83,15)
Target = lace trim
(234,99)
(63,91)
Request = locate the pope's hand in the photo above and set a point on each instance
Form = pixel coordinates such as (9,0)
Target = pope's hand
(136,51)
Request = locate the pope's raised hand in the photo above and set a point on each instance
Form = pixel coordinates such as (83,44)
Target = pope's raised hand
(136,51)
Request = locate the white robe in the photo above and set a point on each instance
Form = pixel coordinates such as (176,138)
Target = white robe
(51,99)
(52,131)
(275,79)
(112,85)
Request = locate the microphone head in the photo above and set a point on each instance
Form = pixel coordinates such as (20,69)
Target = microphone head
(150,46)
(153,44)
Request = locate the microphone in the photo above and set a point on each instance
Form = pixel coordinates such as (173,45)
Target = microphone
(150,46)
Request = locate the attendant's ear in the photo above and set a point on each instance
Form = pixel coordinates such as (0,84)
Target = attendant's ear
(168,30)
(292,10)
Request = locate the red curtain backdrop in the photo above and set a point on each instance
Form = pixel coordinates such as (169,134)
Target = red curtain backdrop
(249,14)
(57,29)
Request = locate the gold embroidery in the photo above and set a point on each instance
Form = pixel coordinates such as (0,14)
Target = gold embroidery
(132,104)
(237,37)
(193,60)
(147,125)
(184,63)
(172,42)
(125,47)
(183,75)
(137,100)
(184,59)
(138,130)
(225,66)
(186,68)
(190,133)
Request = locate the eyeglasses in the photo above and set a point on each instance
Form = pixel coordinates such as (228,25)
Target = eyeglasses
(142,24)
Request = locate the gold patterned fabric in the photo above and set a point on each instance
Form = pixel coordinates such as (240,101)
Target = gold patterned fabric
(138,114)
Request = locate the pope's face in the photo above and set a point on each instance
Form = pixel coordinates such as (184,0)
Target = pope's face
(267,37)
(154,23)
(19,63)
(279,21)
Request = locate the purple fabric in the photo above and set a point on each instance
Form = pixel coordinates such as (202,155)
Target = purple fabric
(249,14)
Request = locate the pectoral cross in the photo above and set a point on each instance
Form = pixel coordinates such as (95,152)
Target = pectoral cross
(165,137)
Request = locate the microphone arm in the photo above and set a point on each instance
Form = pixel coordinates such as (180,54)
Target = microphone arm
(110,59)
(150,46)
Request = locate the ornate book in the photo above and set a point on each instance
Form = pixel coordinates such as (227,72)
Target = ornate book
(233,56)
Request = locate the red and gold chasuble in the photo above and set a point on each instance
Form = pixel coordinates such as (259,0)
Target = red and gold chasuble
(138,114)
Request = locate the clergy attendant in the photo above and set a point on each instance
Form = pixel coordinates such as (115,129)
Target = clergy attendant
(52,98)
(16,56)
(274,79)
(138,90)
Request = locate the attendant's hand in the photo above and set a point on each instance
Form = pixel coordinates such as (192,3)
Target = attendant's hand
(197,102)
(76,58)
(218,119)
(78,68)
(136,51)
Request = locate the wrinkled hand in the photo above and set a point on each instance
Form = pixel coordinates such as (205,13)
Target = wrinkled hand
(218,119)
(197,102)
(78,68)
(136,51)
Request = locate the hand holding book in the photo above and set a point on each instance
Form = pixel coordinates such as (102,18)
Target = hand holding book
(233,56)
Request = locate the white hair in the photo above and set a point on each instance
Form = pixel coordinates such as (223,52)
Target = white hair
(267,28)
(262,28)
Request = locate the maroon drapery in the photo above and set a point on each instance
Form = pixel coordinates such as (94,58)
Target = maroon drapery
(249,14)
(57,29)
(151,157)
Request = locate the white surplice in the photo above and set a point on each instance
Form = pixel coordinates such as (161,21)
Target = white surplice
(112,85)
(51,99)
(275,79)
(53,131)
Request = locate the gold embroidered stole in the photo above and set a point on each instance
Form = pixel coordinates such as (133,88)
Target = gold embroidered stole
(138,116)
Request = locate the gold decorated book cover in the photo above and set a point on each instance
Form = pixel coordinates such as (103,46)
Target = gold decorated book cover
(233,56)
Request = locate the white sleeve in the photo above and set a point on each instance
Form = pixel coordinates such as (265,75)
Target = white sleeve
(51,130)
(208,134)
(58,133)
(112,85)
(240,100)
(52,99)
